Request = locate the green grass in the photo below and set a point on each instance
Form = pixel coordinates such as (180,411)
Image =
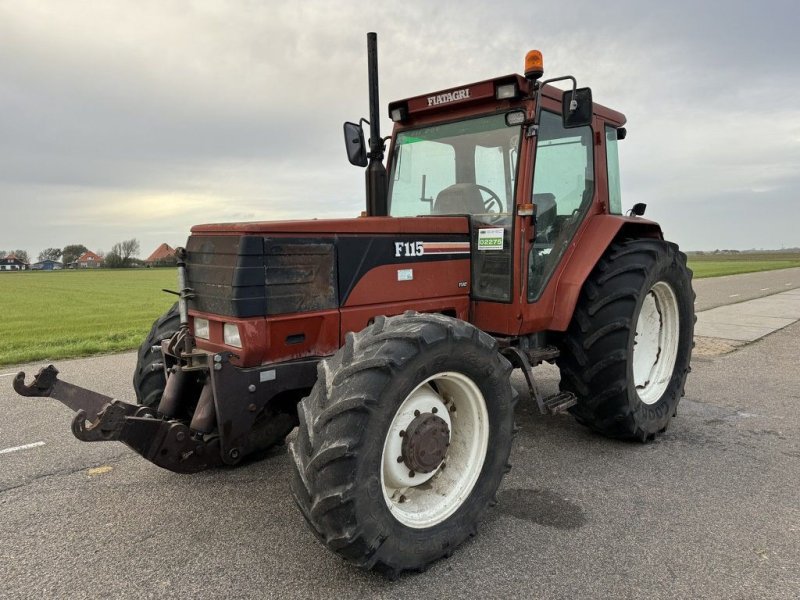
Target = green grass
(715,265)
(60,314)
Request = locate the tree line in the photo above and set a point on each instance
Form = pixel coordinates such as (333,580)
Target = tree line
(123,254)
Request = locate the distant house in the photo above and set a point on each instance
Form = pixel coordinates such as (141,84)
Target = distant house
(12,263)
(163,255)
(47,265)
(87,260)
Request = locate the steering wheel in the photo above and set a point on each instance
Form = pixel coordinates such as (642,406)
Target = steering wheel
(492,200)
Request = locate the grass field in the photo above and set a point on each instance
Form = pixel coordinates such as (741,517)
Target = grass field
(714,265)
(49,315)
(46,316)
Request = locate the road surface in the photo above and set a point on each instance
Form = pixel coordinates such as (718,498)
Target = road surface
(717,291)
(710,510)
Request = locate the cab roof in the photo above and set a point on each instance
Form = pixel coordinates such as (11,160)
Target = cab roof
(482,92)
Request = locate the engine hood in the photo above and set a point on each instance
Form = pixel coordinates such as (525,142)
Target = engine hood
(360,225)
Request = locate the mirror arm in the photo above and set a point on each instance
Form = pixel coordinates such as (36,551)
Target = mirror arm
(573,105)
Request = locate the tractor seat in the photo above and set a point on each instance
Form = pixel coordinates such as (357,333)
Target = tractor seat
(459,199)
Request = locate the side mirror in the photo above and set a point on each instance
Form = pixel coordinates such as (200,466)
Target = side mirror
(576,108)
(638,209)
(354,143)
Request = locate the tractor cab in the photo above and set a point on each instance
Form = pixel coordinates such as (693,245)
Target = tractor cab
(524,161)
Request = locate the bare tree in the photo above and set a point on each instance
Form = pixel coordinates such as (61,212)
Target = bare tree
(122,253)
(22,255)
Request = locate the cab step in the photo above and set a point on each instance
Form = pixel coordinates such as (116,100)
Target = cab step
(542,354)
(559,403)
(550,405)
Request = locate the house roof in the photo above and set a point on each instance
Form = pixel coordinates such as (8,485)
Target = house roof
(12,257)
(89,256)
(160,253)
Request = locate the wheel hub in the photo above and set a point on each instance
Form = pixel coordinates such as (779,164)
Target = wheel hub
(425,443)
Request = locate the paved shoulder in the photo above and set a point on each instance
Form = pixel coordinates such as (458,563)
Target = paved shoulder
(724,328)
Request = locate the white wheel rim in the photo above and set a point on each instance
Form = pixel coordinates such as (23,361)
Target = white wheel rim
(655,347)
(430,498)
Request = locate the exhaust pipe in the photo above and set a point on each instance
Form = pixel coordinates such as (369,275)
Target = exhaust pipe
(376,179)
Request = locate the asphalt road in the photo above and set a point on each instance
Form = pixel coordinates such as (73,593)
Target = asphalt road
(717,291)
(710,510)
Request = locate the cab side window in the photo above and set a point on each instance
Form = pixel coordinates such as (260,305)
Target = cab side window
(612,165)
(563,187)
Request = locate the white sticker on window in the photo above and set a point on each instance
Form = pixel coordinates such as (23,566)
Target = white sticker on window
(405,274)
(490,238)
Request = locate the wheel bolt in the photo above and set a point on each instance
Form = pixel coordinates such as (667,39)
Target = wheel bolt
(453,408)
(434,410)
(403,433)
(411,473)
(401,499)
(416,413)
(400,459)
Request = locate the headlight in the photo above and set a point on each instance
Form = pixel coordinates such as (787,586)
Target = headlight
(230,335)
(201,328)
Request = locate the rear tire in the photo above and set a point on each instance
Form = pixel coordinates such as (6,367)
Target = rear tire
(627,352)
(350,481)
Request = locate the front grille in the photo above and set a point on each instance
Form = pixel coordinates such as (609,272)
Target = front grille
(250,276)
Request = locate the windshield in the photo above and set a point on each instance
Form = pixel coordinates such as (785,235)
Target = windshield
(468,167)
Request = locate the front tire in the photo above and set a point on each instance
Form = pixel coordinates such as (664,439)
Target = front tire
(627,351)
(148,378)
(403,441)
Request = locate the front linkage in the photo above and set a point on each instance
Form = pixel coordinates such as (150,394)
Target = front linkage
(167,443)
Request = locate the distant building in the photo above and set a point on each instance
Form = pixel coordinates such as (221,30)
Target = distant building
(47,265)
(12,263)
(163,255)
(87,260)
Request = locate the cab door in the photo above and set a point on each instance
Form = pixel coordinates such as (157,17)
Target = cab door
(563,193)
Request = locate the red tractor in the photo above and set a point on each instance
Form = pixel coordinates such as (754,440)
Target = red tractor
(493,239)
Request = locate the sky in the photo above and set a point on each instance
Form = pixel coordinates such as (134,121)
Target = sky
(123,119)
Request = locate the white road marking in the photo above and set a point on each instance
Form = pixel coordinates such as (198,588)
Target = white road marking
(764,289)
(23,447)
(12,374)
(733,296)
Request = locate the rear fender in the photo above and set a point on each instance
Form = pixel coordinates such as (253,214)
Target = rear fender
(600,233)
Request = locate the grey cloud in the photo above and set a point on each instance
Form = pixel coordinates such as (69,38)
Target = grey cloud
(233,110)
